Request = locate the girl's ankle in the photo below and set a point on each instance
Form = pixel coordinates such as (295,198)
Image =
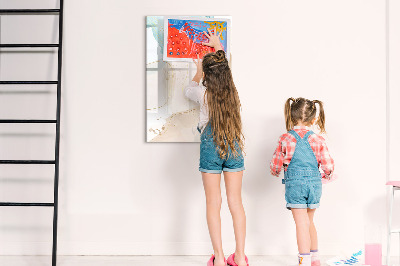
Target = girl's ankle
(239,254)
(240,257)
(219,256)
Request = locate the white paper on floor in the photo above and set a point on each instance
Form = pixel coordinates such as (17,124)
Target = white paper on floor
(350,258)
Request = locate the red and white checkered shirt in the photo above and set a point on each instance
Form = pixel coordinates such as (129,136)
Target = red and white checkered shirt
(287,144)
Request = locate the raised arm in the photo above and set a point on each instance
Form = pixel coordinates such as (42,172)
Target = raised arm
(199,72)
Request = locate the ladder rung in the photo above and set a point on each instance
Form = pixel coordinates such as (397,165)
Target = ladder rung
(29,82)
(28,11)
(33,45)
(395,231)
(26,121)
(29,204)
(27,161)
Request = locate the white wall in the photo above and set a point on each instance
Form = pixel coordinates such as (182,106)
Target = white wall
(394,109)
(121,195)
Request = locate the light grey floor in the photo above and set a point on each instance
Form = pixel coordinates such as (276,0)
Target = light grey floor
(145,260)
(136,260)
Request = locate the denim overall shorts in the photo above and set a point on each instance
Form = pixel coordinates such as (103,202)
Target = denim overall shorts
(210,160)
(303,186)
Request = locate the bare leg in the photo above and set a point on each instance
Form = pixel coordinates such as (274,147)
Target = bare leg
(302,221)
(233,183)
(313,230)
(212,188)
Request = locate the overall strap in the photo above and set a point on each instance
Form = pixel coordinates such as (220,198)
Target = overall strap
(294,133)
(308,134)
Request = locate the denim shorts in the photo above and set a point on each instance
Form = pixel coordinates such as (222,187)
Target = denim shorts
(303,193)
(210,160)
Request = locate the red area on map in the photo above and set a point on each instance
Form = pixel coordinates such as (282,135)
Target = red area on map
(181,46)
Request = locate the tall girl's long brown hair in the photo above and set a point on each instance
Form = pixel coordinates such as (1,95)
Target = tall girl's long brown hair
(223,104)
(303,110)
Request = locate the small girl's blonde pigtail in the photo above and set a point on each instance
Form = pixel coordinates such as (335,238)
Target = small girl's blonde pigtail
(321,116)
(288,114)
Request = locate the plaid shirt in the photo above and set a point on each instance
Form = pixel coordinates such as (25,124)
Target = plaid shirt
(287,144)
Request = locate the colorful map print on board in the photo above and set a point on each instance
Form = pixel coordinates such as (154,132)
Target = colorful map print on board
(185,37)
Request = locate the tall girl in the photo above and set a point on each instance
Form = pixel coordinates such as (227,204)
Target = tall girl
(221,147)
(302,153)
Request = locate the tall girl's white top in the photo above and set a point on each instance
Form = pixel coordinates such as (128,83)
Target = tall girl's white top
(196,92)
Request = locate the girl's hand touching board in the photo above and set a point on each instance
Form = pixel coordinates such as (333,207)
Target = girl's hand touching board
(213,39)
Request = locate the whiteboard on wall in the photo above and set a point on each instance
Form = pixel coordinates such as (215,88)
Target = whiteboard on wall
(170,115)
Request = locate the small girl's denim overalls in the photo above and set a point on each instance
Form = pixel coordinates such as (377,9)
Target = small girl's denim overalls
(302,181)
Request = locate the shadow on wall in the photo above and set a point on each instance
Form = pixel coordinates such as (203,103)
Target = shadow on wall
(27,183)
(375,219)
(185,187)
(375,213)
(259,186)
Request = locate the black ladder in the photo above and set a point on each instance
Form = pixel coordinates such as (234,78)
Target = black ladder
(57,82)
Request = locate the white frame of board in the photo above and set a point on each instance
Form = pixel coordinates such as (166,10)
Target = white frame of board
(216,18)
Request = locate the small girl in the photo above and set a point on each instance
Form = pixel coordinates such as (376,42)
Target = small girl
(302,152)
(221,147)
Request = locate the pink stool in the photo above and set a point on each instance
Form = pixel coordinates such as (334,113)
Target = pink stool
(394,185)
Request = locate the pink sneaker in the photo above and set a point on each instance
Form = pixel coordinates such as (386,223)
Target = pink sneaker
(231,260)
(316,263)
(211,261)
